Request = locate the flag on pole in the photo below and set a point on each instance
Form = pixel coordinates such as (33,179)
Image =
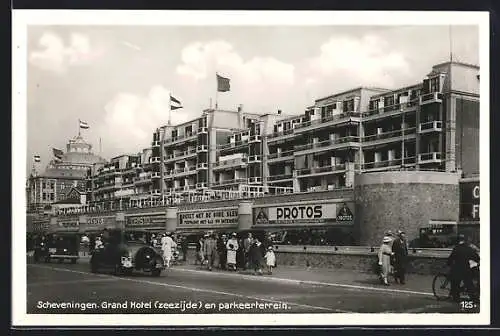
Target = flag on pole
(223,84)
(36,158)
(83,124)
(174,103)
(57,153)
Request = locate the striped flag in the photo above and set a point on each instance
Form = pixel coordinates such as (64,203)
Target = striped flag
(36,158)
(58,153)
(174,103)
(83,124)
(223,84)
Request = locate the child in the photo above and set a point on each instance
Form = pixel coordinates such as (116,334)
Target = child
(270,259)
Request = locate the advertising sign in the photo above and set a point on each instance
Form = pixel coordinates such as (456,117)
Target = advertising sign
(99,223)
(67,225)
(304,213)
(469,201)
(146,221)
(209,217)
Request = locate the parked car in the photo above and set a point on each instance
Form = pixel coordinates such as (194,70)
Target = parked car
(126,251)
(60,247)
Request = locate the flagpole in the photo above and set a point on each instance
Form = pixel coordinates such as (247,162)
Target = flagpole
(216,91)
(79,129)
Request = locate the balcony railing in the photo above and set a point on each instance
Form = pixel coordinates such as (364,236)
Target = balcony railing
(430,157)
(254,180)
(388,135)
(279,177)
(201,185)
(232,145)
(433,97)
(280,134)
(410,160)
(155,192)
(254,159)
(391,108)
(274,156)
(156,175)
(327,143)
(180,138)
(155,143)
(202,148)
(155,159)
(255,138)
(233,181)
(202,165)
(327,119)
(231,163)
(142,179)
(202,130)
(321,170)
(431,126)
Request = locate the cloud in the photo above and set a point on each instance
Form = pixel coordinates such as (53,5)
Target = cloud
(259,82)
(55,56)
(369,60)
(130,119)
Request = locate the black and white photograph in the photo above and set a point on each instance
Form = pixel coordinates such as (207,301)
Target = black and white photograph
(250,168)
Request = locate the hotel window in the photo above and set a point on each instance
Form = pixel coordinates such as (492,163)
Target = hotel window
(43,185)
(348,105)
(389,101)
(434,84)
(51,196)
(44,196)
(373,104)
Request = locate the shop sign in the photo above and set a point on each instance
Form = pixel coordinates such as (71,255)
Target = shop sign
(145,221)
(469,201)
(207,217)
(99,223)
(305,213)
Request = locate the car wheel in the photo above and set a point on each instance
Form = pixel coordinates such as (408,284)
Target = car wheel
(156,272)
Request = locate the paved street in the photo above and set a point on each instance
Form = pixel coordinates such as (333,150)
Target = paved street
(193,290)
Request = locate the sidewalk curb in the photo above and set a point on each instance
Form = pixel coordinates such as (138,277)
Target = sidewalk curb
(303,282)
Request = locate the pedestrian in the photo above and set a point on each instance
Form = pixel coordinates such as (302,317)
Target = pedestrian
(270,260)
(222,251)
(210,250)
(232,247)
(184,248)
(199,251)
(400,250)
(247,243)
(240,255)
(384,259)
(256,254)
(167,246)
(98,244)
(461,270)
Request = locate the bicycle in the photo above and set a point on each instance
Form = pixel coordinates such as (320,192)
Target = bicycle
(441,285)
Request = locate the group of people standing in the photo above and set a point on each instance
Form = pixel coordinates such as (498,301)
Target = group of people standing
(392,257)
(233,253)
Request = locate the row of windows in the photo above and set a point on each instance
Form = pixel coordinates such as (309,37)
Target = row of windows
(48,196)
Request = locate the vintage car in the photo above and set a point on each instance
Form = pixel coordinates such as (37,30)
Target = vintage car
(60,247)
(124,252)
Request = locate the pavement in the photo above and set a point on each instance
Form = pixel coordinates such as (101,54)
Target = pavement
(187,288)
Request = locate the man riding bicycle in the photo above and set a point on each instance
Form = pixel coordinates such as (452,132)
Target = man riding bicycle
(461,268)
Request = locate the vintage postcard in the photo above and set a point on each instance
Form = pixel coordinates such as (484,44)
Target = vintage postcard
(232,168)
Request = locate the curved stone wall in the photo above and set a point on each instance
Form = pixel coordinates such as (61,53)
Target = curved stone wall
(405,200)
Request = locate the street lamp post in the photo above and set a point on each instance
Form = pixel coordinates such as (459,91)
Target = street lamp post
(402,138)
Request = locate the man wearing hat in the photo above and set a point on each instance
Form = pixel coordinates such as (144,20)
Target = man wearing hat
(210,250)
(460,268)
(400,250)
(232,247)
(221,251)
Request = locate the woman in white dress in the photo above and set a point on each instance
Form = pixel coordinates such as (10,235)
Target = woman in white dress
(232,247)
(167,245)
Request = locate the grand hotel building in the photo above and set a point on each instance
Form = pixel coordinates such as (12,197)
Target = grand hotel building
(394,154)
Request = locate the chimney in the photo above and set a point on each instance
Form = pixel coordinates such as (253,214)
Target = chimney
(240,108)
(279,112)
(240,116)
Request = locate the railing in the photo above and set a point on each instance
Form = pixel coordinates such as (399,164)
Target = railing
(155,159)
(180,137)
(278,134)
(391,134)
(318,170)
(395,107)
(140,179)
(389,163)
(233,181)
(327,143)
(202,165)
(279,177)
(232,145)
(155,144)
(230,163)
(280,155)
(435,125)
(255,179)
(433,157)
(202,148)
(202,130)
(254,158)
(431,97)
(255,138)
(345,115)
(156,175)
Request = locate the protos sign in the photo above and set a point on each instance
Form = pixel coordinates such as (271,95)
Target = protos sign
(303,213)
(469,201)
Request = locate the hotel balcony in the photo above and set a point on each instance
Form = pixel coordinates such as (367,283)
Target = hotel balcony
(228,182)
(431,126)
(389,111)
(155,144)
(318,171)
(279,178)
(142,180)
(388,164)
(124,193)
(278,157)
(280,136)
(230,164)
(327,121)
(228,147)
(387,137)
(193,136)
(168,174)
(201,185)
(202,148)
(156,175)
(327,145)
(184,171)
(433,157)
(202,130)
(202,165)
(155,159)
(88,190)
(255,180)
(155,192)
(255,138)
(433,97)
(181,155)
(255,159)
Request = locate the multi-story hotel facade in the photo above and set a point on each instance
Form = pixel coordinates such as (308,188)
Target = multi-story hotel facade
(395,158)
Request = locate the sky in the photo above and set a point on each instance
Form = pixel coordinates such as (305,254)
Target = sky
(118,78)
